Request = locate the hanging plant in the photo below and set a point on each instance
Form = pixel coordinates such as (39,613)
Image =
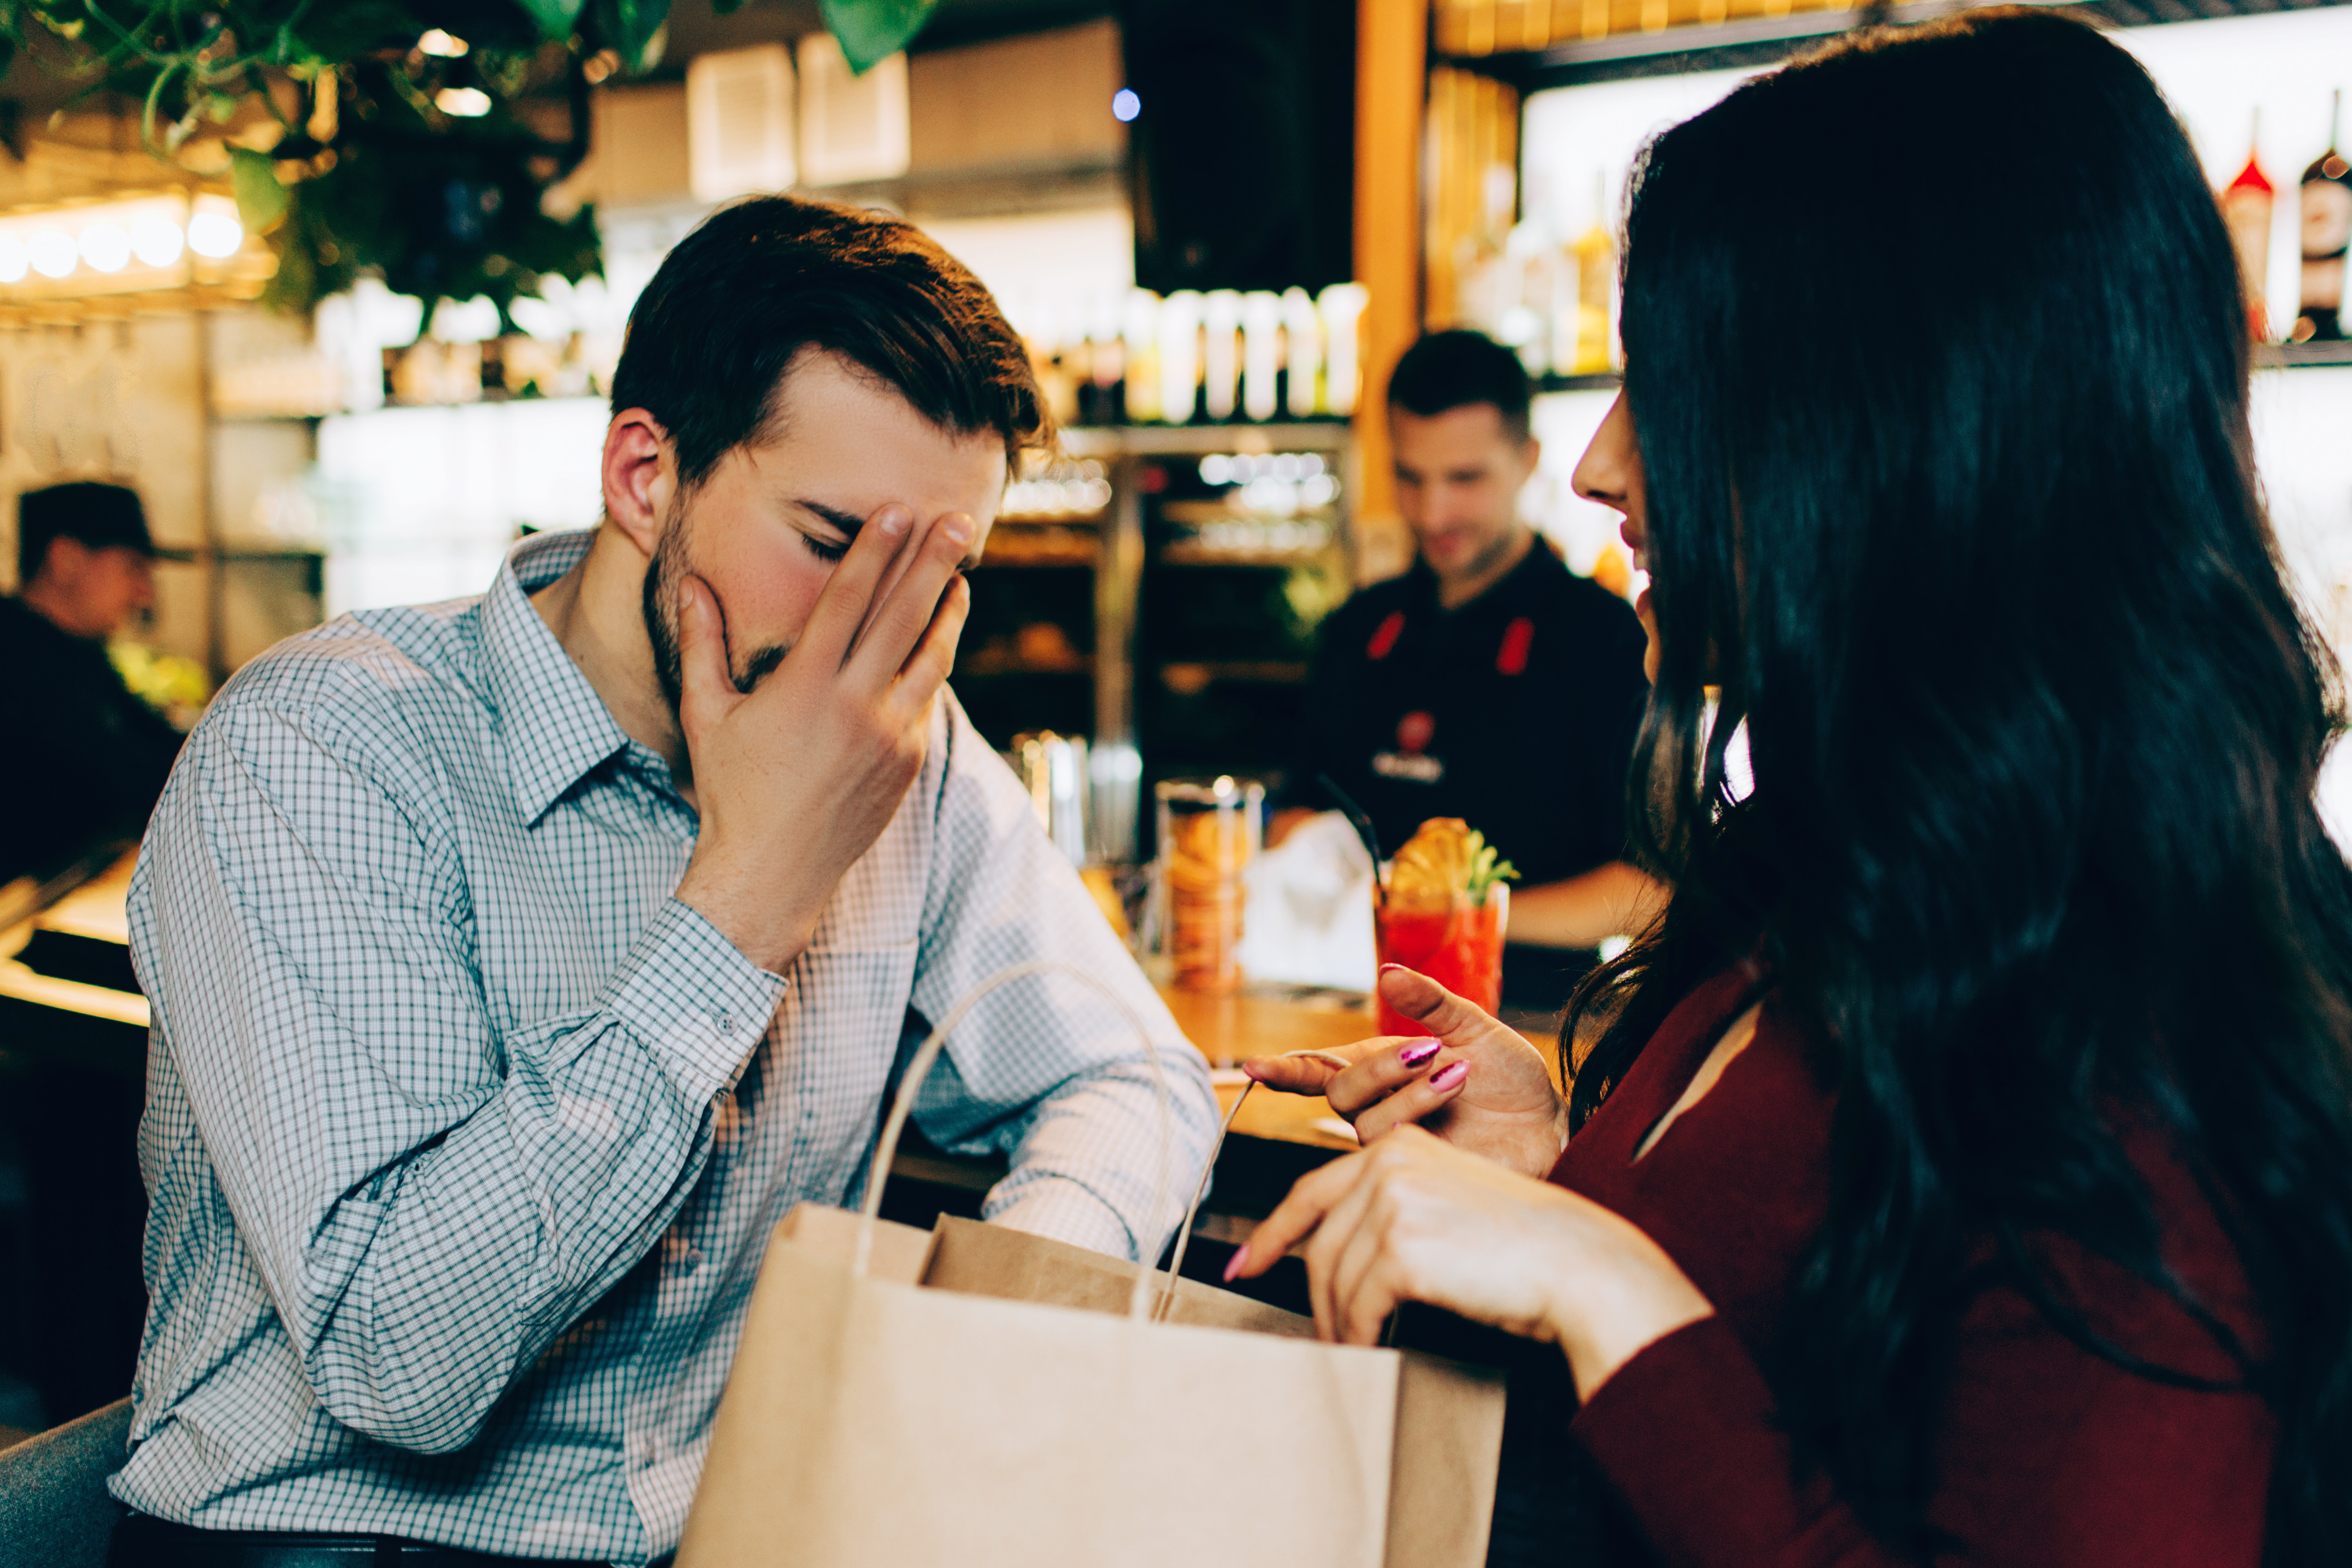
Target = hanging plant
(407,138)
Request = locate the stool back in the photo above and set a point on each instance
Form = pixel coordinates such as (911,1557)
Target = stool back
(55,1511)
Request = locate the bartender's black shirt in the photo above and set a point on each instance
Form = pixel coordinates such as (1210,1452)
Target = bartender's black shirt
(85,759)
(1515,712)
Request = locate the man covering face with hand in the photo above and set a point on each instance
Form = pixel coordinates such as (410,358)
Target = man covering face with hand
(519,962)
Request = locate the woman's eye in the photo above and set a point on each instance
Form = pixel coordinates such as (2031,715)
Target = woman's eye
(822,550)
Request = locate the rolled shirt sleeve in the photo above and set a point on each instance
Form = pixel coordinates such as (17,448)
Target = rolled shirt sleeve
(1047,1071)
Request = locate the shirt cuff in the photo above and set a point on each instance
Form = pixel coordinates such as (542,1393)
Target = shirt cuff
(700,1005)
(1065,1210)
(1688,1432)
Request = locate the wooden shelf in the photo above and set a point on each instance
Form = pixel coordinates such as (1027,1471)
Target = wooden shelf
(2291,356)
(1570,59)
(1192,440)
(1607,380)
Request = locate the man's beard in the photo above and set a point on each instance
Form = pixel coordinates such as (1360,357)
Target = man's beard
(665,576)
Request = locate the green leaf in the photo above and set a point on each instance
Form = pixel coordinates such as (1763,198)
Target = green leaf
(871,31)
(634,29)
(260,199)
(553,18)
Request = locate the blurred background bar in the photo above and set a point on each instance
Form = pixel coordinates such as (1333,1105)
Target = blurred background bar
(1216,222)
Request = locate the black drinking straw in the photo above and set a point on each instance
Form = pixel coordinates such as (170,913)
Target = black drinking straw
(1355,815)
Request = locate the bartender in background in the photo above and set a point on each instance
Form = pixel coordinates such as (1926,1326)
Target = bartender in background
(87,758)
(1489,682)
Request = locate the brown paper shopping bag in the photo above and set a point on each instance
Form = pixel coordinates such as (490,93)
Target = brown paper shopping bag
(979,1398)
(1449,1422)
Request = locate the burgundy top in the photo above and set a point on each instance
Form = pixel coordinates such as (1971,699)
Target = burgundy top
(2043,1452)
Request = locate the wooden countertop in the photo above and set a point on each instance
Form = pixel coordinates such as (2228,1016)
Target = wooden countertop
(1233,1027)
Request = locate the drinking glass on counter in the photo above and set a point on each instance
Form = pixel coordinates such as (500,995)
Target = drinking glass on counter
(1208,830)
(1459,944)
(1440,907)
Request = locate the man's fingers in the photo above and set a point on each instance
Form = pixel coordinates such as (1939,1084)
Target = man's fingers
(1434,1008)
(898,622)
(706,683)
(851,593)
(928,667)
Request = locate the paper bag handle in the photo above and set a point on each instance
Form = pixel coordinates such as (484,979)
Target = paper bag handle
(1139,1306)
(1184,1235)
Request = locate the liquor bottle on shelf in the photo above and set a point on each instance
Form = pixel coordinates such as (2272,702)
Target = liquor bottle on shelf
(2246,203)
(1596,293)
(1179,356)
(2327,231)
(1221,360)
(1342,308)
(1141,332)
(1302,354)
(1261,352)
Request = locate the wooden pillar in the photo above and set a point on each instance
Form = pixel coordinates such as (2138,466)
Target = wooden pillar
(1391,77)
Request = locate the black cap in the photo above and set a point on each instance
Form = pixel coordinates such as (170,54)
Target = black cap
(98,516)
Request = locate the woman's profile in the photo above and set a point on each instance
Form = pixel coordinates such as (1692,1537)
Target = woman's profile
(1965,1172)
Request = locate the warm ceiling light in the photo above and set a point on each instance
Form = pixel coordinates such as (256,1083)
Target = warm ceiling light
(465,102)
(106,247)
(14,260)
(216,235)
(54,253)
(157,241)
(438,42)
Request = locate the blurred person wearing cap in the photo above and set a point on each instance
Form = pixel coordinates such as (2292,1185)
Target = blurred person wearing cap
(90,756)
(1489,682)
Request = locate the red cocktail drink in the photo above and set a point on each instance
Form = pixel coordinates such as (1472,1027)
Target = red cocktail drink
(1460,948)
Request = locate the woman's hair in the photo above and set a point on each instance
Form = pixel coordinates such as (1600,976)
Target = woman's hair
(1936,356)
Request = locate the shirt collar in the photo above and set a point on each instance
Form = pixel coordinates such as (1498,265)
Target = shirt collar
(556,726)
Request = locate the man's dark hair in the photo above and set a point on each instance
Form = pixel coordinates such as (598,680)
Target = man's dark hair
(100,516)
(758,282)
(1459,369)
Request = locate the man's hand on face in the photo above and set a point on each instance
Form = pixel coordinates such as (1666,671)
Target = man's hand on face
(797,779)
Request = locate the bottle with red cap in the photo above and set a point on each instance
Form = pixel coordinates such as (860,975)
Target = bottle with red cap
(2326,231)
(2246,203)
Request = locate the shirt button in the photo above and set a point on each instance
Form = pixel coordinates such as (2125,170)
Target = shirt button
(689,1260)
(724,1022)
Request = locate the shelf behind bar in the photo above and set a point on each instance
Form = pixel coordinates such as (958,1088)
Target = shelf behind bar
(1760,41)
(2267,357)
(1191,440)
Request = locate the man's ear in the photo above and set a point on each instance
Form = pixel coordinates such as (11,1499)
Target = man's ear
(640,475)
(66,560)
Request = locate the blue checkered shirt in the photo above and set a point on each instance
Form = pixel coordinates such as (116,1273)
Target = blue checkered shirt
(464,1137)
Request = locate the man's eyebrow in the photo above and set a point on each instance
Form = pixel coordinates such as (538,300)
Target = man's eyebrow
(845,521)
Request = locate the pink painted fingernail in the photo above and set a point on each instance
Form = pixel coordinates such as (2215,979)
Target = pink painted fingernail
(1233,1263)
(1414,1055)
(1447,1076)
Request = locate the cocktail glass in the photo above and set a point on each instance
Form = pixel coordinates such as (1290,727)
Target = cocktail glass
(1460,947)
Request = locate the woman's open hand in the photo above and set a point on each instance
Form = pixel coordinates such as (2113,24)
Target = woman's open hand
(1475,1080)
(1417,1220)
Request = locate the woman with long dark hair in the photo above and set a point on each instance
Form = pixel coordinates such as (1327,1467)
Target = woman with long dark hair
(1966,1174)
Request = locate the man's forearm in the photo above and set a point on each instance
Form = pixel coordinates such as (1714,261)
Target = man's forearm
(1584,911)
(1090,1163)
